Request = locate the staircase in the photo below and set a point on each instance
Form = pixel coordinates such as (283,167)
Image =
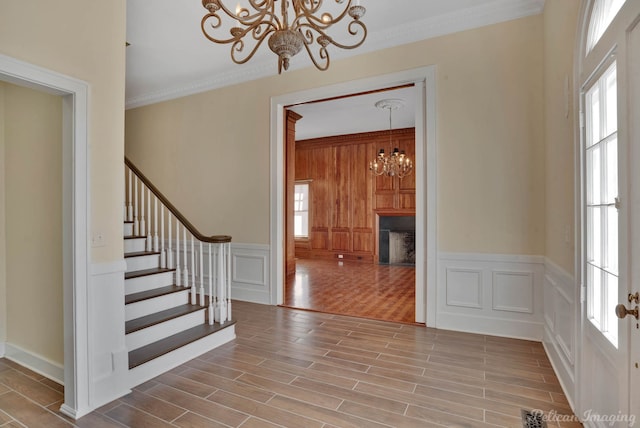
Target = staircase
(174,311)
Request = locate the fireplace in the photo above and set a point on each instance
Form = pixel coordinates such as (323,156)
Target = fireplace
(397,240)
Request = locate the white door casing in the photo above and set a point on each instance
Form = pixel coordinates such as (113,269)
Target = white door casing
(425,170)
(605,366)
(75,203)
(633,76)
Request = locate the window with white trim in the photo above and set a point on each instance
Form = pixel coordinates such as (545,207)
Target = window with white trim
(301,210)
(601,203)
(602,14)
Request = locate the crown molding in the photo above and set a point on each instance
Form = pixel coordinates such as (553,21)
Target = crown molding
(467,19)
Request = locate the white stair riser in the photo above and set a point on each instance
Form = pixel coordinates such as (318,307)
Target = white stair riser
(128,229)
(156,332)
(148,282)
(134,245)
(160,365)
(142,262)
(157,304)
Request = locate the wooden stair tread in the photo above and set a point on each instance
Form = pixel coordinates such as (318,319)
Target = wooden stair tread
(146,272)
(162,316)
(150,294)
(135,237)
(157,349)
(141,253)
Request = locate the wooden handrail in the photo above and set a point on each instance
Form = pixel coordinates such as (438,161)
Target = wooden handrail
(215,239)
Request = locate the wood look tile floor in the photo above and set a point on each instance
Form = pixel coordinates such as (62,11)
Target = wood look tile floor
(353,288)
(292,368)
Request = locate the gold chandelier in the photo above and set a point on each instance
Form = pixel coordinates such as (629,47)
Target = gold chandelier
(397,164)
(285,37)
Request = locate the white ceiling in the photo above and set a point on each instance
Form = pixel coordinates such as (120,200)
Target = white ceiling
(355,114)
(169,57)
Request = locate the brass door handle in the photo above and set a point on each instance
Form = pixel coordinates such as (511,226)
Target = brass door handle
(622,311)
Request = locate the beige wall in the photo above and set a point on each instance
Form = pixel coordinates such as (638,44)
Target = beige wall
(33,215)
(560,27)
(490,140)
(84,39)
(3,235)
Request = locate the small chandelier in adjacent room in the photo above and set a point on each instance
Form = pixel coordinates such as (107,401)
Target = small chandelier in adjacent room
(298,24)
(397,164)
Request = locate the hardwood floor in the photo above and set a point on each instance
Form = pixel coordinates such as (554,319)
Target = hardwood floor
(353,288)
(297,368)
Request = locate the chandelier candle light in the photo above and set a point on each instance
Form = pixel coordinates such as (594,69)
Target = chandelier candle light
(398,163)
(308,26)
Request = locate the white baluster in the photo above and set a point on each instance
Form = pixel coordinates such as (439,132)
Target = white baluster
(163,255)
(149,239)
(143,222)
(216,299)
(228,278)
(178,277)
(136,221)
(129,205)
(156,246)
(201,277)
(211,311)
(169,250)
(193,272)
(185,271)
(221,284)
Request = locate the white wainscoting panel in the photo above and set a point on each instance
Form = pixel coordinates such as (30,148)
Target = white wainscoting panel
(512,291)
(491,294)
(250,273)
(108,354)
(561,312)
(464,288)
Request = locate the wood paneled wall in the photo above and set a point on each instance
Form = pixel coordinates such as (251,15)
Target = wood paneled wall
(345,198)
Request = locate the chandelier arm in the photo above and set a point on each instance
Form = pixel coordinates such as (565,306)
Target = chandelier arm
(244,16)
(264,9)
(323,54)
(255,28)
(238,46)
(300,6)
(323,39)
(206,33)
(308,13)
(353,32)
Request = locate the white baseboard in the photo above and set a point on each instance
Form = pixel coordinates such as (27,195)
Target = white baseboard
(34,362)
(70,411)
(515,329)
